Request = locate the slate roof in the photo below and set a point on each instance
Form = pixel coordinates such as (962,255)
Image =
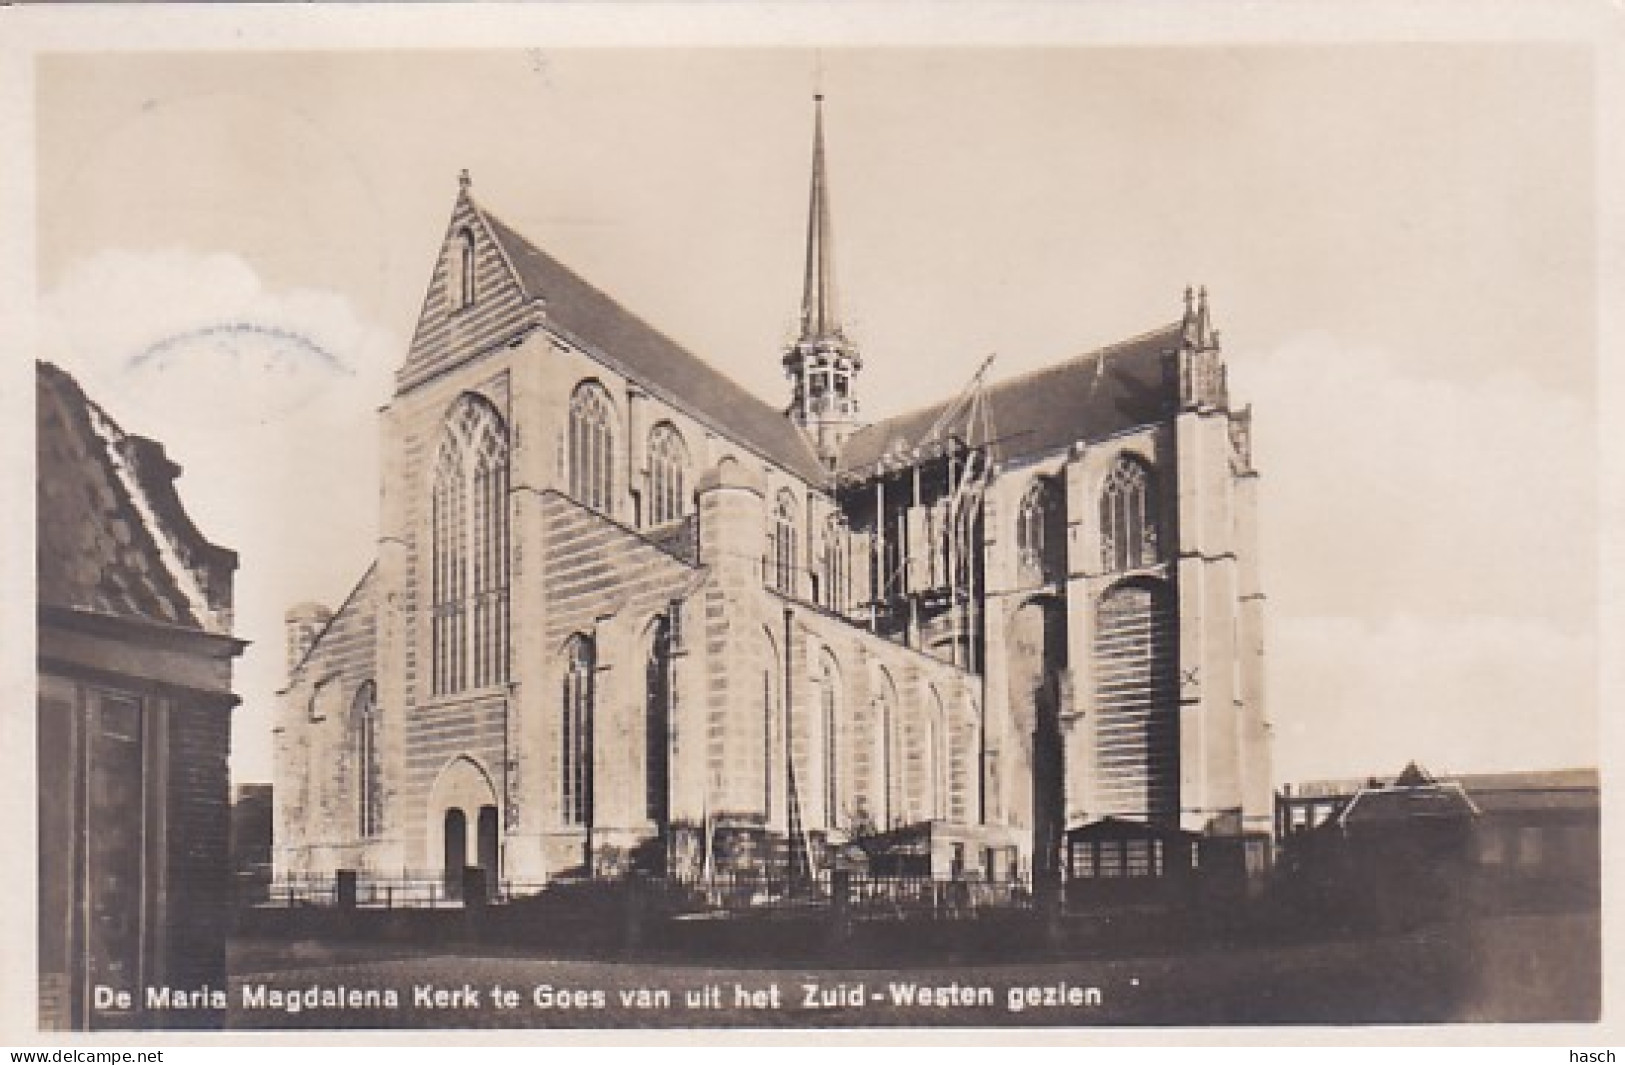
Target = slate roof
(1110,828)
(1400,803)
(113,538)
(603,326)
(1089,397)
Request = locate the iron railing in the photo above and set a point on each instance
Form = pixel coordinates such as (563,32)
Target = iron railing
(862,895)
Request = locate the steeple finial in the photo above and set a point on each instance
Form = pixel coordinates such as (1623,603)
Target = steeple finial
(820,312)
(463,180)
(1195,328)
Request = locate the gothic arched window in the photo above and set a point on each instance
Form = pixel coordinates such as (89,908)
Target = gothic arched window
(469,548)
(658,691)
(835,579)
(576,728)
(592,447)
(460,289)
(884,776)
(782,545)
(668,475)
(364,722)
(1041,533)
(829,712)
(1128,518)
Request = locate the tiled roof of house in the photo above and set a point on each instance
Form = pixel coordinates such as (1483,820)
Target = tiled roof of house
(1089,397)
(113,537)
(603,326)
(1400,803)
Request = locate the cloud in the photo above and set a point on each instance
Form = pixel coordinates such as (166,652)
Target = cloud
(265,397)
(1480,692)
(1385,491)
(1429,552)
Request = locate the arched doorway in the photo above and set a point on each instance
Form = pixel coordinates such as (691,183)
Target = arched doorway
(465,825)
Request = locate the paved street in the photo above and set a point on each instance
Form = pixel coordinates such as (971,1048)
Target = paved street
(1517,968)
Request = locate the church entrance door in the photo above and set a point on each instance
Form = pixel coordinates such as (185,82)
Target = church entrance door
(456,837)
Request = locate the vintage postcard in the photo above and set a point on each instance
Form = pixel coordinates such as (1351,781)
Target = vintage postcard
(767,519)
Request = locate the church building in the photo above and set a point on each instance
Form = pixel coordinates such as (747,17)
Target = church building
(626,615)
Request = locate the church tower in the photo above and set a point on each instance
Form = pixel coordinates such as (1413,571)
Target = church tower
(822,364)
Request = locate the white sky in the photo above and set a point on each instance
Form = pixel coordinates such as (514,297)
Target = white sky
(1400,242)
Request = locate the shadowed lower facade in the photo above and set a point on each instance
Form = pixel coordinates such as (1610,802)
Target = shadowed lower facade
(625,614)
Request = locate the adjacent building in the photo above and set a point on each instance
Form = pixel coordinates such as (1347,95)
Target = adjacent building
(134,720)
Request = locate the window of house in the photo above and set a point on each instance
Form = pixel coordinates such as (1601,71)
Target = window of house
(1129,534)
(592,448)
(469,551)
(1082,855)
(1110,860)
(1137,858)
(668,475)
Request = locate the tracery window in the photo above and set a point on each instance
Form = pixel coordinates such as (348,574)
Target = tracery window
(835,579)
(592,447)
(576,731)
(668,475)
(1129,535)
(781,569)
(1040,533)
(469,550)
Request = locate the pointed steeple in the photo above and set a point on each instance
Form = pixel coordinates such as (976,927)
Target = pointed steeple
(822,363)
(820,311)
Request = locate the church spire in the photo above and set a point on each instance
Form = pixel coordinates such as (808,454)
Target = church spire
(821,364)
(820,312)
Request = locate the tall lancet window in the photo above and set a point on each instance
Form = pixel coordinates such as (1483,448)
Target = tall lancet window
(658,704)
(575,732)
(1129,535)
(592,447)
(668,475)
(1041,533)
(460,281)
(469,546)
(835,578)
(364,723)
(781,568)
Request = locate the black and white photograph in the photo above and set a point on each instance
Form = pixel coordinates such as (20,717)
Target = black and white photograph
(815,530)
